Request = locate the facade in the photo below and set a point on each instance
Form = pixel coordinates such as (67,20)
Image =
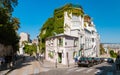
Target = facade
(61,48)
(35,41)
(111,46)
(79,25)
(23,37)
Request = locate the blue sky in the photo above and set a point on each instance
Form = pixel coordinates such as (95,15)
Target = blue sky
(105,14)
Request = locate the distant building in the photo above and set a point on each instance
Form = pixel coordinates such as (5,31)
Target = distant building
(112,46)
(35,41)
(24,37)
(80,37)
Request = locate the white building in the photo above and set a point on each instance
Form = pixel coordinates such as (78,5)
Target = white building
(61,48)
(79,30)
(23,37)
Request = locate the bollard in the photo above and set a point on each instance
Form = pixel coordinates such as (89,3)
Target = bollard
(56,63)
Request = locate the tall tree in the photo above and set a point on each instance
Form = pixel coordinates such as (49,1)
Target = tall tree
(8,4)
(102,50)
(8,24)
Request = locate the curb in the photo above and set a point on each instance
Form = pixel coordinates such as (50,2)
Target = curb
(54,66)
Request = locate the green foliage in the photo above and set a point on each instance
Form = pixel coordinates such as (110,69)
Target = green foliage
(51,25)
(56,23)
(29,49)
(51,54)
(70,8)
(8,24)
(8,4)
(102,50)
(113,54)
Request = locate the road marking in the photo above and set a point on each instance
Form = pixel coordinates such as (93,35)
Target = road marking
(98,72)
(109,73)
(89,70)
(81,69)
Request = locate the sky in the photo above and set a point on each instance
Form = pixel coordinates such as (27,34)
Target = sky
(105,13)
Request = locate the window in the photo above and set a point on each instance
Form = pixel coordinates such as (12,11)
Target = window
(60,41)
(51,54)
(75,43)
(65,43)
(92,39)
(75,18)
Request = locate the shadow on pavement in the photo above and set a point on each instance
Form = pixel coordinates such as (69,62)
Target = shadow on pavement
(17,67)
(104,70)
(22,62)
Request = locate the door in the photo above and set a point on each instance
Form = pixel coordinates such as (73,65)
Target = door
(60,57)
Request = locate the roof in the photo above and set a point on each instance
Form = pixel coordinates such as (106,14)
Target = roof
(87,30)
(61,35)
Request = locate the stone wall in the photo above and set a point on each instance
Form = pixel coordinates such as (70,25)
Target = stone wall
(5,49)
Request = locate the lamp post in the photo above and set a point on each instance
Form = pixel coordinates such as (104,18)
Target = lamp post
(37,44)
(55,59)
(67,59)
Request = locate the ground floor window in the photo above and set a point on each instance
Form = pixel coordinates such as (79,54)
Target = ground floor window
(51,54)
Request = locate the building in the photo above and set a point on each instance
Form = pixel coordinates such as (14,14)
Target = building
(35,41)
(24,37)
(111,46)
(61,48)
(79,38)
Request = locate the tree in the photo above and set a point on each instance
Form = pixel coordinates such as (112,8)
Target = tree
(8,4)
(8,25)
(15,23)
(102,50)
(113,54)
(30,49)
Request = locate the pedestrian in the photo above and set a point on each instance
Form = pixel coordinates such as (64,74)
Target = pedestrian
(42,58)
(117,62)
(76,60)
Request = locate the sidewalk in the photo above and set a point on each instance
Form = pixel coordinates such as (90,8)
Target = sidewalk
(52,65)
(4,70)
(28,67)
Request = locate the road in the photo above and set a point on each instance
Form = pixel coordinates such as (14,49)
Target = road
(101,69)
(34,68)
(29,67)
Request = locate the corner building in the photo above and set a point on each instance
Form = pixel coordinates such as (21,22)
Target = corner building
(78,38)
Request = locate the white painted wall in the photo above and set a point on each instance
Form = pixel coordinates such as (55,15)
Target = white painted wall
(69,47)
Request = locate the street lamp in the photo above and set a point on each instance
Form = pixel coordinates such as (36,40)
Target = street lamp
(37,44)
(55,58)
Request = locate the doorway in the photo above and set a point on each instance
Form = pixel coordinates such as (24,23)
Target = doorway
(60,57)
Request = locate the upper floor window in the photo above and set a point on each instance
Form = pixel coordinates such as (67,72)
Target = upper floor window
(75,43)
(65,43)
(60,41)
(93,40)
(75,18)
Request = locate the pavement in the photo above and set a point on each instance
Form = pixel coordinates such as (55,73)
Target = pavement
(48,64)
(33,67)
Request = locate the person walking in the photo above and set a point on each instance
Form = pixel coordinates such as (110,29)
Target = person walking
(117,62)
(76,59)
